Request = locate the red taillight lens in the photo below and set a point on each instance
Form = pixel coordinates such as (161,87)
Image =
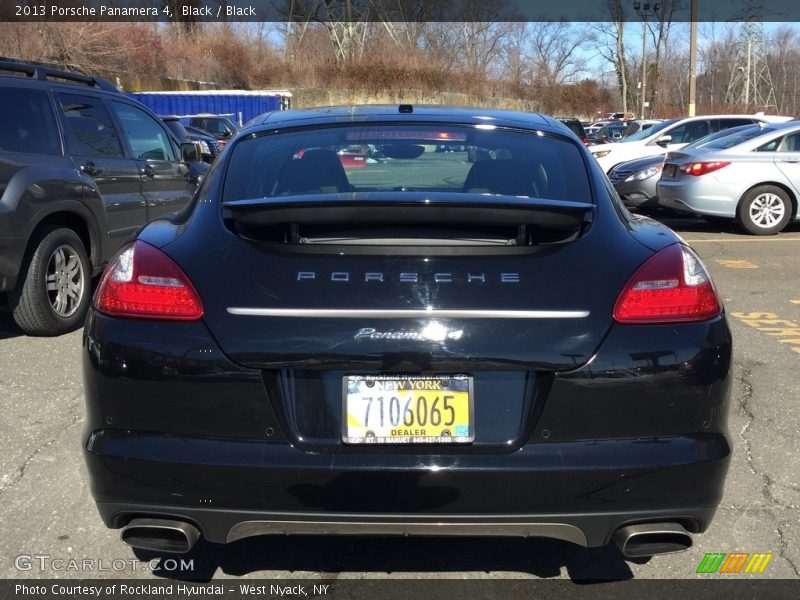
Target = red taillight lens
(701,168)
(670,287)
(222,143)
(143,282)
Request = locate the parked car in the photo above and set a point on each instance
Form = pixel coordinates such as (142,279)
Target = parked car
(752,178)
(428,347)
(576,127)
(82,167)
(639,125)
(636,180)
(594,127)
(608,133)
(621,116)
(207,143)
(220,126)
(671,135)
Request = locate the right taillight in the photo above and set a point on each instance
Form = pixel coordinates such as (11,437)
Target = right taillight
(672,286)
(702,168)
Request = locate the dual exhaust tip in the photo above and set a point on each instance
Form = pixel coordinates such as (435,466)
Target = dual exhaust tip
(160,535)
(634,541)
(648,539)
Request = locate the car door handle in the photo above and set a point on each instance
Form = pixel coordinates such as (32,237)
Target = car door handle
(148,171)
(790,160)
(91,169)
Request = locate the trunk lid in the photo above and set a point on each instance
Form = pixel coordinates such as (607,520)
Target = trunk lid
(330,292)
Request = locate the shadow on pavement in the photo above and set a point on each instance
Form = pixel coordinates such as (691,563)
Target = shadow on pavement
(398,556)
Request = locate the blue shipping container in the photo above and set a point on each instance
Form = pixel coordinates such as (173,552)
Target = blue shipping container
(239,105)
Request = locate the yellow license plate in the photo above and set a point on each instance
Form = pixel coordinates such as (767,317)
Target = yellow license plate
(408,409)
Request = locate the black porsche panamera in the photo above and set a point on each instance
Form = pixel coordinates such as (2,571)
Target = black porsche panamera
(409,344)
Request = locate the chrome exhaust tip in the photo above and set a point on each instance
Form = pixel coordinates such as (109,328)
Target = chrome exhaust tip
(160,535)
(648,539)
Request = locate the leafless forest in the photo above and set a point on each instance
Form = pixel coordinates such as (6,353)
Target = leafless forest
(565,68)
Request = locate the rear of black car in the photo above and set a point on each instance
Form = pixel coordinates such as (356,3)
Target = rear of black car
(418,345)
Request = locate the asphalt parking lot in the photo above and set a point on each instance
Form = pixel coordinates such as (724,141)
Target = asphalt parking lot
(47,511)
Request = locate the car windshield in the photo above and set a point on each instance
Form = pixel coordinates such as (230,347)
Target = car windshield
(426,158)
(729,141)
(646,133)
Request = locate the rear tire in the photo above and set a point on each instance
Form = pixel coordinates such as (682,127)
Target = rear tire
(54,290)
(764,210)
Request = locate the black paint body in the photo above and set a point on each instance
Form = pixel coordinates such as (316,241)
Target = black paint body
(578,421)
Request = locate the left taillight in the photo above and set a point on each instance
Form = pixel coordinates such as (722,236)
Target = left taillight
(672,286)
(143,282)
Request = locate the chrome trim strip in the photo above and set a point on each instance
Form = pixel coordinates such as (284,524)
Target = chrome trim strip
(558,531)
(348,313)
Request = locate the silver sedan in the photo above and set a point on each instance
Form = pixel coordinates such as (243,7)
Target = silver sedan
(636,180)
(752,177)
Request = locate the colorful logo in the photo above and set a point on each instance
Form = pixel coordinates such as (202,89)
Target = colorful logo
(735,562)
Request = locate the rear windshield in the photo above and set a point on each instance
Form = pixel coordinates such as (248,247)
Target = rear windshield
(729,141)
(412,158)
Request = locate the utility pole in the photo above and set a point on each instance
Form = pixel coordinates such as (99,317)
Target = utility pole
(693,61)
(645,9)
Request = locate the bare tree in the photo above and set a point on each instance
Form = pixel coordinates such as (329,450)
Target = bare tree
(659,28)
(611,45)
(554,51)
(515,58)
(784,63)
(717,53)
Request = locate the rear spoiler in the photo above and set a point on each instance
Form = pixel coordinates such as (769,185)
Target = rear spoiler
(410,208)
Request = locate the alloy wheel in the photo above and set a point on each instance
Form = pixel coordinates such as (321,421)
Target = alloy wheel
(767,210)
(65,280)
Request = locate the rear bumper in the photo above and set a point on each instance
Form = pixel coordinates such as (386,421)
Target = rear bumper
(222,526)
(686,195)
(636,435)
(580,492)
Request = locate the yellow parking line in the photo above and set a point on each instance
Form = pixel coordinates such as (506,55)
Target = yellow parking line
(737,264)
(795,301)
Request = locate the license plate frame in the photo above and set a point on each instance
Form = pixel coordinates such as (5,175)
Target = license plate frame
(403,387)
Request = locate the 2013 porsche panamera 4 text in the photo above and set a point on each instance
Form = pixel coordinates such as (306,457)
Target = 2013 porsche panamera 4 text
(230,393)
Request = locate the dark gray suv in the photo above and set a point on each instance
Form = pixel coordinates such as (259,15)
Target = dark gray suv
(82,168)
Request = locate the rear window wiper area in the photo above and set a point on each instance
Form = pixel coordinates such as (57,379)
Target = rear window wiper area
(408,219)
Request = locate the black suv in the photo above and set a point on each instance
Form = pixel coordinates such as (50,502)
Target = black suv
(209,147)
(82,168)
(219,126)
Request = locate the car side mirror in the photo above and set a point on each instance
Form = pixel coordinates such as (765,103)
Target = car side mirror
(664,140)
(190,152)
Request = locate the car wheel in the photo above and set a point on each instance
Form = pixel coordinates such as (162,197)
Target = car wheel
(765,210)
(53,294)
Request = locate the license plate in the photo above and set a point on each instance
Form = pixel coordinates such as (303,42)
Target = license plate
(670,171)
(408,409)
